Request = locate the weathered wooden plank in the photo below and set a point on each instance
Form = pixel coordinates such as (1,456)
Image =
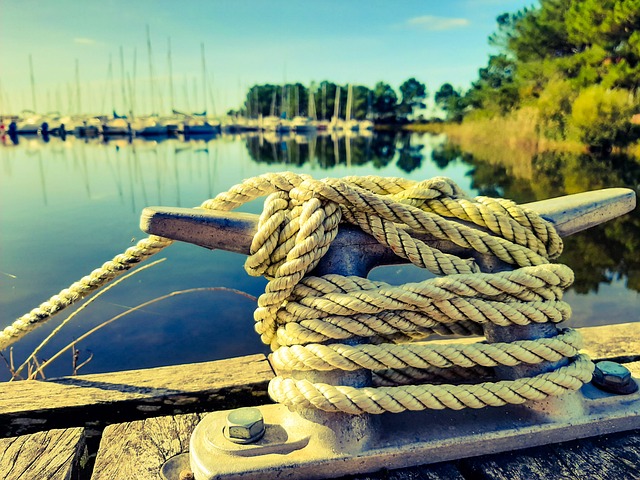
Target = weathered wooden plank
(137,450)
(612,341)
(609,457)
(72,401)
(51,455)
(438,471)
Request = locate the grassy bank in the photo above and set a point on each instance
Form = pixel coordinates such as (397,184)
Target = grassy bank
(511,141)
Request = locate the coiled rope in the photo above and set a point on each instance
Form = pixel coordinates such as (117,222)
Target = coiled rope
(304,318)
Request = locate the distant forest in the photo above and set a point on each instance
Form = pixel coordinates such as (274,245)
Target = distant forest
(572,65)
(290,100)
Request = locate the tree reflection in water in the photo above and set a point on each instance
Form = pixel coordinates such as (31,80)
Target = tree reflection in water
(599,255)
(328,151)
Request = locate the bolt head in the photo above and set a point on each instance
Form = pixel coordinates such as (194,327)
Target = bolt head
(613,377)
(244,425)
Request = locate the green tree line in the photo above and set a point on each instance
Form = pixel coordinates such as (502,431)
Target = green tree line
(574,63)
(381,103)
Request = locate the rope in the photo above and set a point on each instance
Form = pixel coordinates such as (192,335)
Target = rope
(306,319)
(120,264)
(305,394)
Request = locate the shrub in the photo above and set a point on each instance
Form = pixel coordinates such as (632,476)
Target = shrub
(554,106)
(602,117)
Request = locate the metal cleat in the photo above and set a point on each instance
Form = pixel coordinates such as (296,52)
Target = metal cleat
(312,444)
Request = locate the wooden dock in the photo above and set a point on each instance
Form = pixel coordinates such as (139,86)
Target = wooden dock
(125,425)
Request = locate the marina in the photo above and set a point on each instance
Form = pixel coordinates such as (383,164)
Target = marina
(165,404)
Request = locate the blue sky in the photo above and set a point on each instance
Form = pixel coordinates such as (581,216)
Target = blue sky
(246,42)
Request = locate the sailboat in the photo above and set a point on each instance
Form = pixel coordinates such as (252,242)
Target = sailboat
(320,125)
(149,126)
(273,123)
(198,124)
(305,125)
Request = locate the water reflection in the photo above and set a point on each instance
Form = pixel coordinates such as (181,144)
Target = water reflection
(600,255)
(328,151)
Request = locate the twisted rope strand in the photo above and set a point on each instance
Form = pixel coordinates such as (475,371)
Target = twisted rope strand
(389,356)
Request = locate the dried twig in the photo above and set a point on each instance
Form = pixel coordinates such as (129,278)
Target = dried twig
(88,302)
(75,371)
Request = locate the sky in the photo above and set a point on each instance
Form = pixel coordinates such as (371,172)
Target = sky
(74,46)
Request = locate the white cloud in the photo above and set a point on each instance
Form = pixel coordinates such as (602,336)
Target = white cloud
(84,41)
(433,23)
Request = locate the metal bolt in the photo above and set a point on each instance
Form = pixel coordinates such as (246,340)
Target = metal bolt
(614,378)
(244,425)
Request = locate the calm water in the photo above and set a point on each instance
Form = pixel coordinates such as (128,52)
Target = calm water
(69,206)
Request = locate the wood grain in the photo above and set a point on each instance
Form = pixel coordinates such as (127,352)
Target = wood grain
(609,457)
(137,450)
(612,341)
(51,455)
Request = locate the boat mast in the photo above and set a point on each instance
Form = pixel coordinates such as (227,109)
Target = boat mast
(204,79)
(124,82)
(151,82)
(171,93)
(311,108)
(347,115)
(324,101)
(33,84)
(282,102)
(273,102)
(133,86)
(212,100)
(113,90)
(336,105)
(78,105)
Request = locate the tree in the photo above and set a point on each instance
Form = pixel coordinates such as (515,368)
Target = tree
(360,105)
(450,100)
(496,89)
(385,100)
(413,95)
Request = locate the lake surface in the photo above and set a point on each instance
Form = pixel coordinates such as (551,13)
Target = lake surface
(68,206)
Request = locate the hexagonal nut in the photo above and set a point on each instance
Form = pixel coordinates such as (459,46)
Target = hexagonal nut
(611,373)
(614,378)
(244,425)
